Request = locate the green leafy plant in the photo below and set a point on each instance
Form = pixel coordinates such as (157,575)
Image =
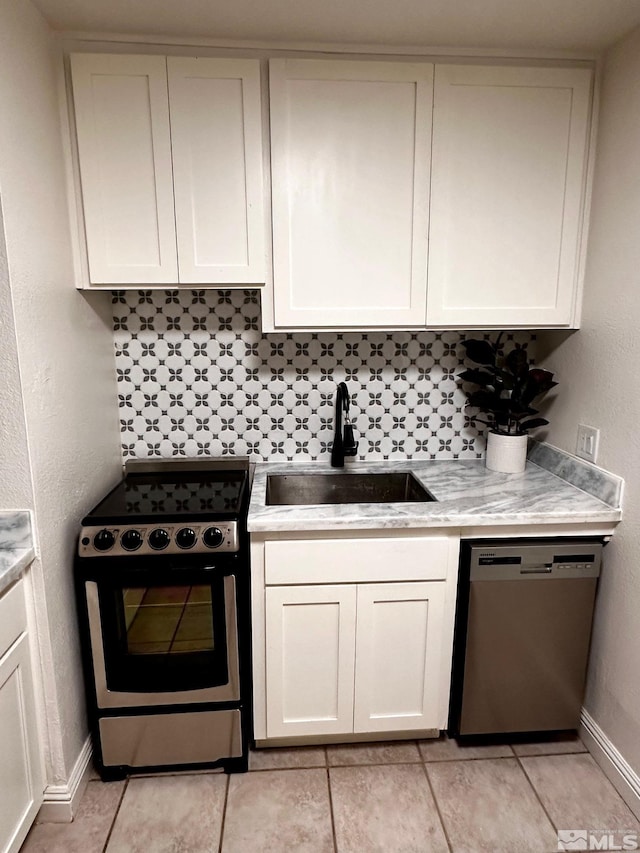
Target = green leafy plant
(507,386)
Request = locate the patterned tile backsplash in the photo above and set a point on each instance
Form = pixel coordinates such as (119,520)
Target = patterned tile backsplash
(196,377)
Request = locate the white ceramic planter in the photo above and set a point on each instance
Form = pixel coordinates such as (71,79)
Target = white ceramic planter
(506,453)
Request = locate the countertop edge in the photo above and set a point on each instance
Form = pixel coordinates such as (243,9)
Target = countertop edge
(463,523)
(16,545)
(13,562)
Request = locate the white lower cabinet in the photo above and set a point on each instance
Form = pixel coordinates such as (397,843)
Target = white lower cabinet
(311,632)
(21,783)
(353,657)
(398,640)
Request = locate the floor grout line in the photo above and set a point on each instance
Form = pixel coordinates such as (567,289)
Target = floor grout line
(390,763)
(467,758)
(333,820)
(224,812)
(437,805)
(536,794)
(115,815)
(547,754)
(293,767)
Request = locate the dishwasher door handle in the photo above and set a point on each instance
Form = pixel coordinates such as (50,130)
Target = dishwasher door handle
(538,570)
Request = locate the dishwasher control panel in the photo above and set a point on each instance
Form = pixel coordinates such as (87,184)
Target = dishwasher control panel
(557,557)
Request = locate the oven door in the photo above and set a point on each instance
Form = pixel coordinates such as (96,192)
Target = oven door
(163,635)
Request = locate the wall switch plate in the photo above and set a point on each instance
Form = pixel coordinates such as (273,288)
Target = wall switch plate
(587,443)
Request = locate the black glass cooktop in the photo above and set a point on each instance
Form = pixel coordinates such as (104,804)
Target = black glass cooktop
(149,497)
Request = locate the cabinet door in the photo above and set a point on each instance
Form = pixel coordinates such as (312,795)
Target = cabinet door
(21,784)
(216,139)
(398,656)
(507,194)
(124,148)
(350,148)
(310,649)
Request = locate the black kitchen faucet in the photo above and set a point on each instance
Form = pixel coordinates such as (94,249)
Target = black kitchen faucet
(343,440)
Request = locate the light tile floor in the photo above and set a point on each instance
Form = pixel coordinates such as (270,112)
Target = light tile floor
(406,797)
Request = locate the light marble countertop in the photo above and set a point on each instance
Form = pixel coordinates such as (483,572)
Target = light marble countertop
(16,546)
(467,496)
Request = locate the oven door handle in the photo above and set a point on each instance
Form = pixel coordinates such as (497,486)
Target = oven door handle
(146,571)
(222,571)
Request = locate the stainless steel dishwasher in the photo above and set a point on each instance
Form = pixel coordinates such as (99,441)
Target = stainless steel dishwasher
(523,625)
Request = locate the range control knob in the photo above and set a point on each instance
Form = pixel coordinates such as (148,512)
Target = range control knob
(103,540)
(212,537)
(185,537)
(159,539)
(131,540)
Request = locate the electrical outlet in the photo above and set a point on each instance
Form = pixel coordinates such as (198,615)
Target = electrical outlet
(587,443)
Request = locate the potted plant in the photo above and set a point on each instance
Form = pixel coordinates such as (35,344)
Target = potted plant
(507,384)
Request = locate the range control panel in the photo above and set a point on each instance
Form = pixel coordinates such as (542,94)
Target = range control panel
(128,540)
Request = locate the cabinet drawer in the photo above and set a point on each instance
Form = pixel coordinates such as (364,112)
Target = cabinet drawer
(13,616)
(356,560)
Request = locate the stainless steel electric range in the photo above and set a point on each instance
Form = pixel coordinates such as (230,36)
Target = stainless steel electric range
(162,580)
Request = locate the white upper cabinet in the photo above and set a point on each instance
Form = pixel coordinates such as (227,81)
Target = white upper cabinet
(350,154)
(507,193)
(216,137)
(170,154)
(124,147)
(403,194)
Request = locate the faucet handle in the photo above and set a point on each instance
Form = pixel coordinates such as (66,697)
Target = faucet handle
(350,444)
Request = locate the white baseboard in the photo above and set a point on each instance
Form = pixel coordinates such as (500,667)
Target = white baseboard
(621,775)
(61,802)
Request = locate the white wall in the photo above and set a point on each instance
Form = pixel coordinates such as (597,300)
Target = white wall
(15,472)
(599,373)
(65,352)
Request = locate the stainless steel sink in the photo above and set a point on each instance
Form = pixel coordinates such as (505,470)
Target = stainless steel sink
(342,488)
